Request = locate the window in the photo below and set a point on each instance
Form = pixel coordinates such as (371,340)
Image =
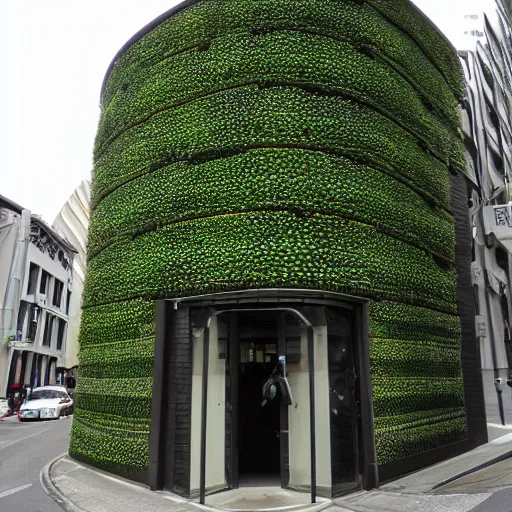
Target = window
(60,333)
(33,321)
(22,313)
(43,285)
(48,393)
(47,336)
(58,286)
(68,300)
(33,274)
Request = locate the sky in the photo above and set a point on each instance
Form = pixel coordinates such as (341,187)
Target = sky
(54,55)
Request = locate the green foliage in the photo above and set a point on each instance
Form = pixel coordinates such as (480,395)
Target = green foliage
(300,179)
(333,66)
(268,117)
(267,249)
(277,143)
(344,20)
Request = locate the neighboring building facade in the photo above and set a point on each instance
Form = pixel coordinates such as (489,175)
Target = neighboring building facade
(72,223)
(487,117)
(279,178)
(35,289)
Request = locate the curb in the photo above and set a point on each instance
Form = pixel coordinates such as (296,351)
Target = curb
(484,465)
(51,489)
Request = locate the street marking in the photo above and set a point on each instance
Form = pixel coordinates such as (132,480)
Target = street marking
(23,439)
(12,491)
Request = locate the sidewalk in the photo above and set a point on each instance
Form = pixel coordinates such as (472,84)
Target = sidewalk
(80,488)
(3,407)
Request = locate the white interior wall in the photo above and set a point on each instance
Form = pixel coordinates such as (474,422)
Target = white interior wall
(299,417)
(215,424)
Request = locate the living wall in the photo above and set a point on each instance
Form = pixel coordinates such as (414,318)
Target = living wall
(277,143)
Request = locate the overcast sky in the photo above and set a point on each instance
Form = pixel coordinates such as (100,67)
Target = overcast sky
(54,54)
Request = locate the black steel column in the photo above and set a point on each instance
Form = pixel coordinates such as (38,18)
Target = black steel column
(204,407)
(156,453)
(234,369)
(362,345)
(284,443)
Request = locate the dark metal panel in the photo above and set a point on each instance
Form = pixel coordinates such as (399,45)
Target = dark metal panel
(369,454)
(179,403)
(284,442)
(470,349)
(398,468)
(156,457)
(232,401)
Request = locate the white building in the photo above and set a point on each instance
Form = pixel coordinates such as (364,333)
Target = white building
(487,119)
(72,223)
(36,287)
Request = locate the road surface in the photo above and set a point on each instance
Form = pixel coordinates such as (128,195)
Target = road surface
(25,448)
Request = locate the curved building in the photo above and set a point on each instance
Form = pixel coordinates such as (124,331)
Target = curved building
(72,223)
(279,179)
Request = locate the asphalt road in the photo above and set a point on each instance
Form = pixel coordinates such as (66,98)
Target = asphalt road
(25,448)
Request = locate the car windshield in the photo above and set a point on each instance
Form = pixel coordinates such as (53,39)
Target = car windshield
(47,393)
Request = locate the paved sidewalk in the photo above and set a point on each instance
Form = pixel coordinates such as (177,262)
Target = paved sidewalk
(79,488)
(3,407)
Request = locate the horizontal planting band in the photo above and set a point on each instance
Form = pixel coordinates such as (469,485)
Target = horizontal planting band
(271,249)
(249,116)
(404,14)
(396,445)
(134,387)
(344,18)
(418,418)
(139,426)
(126,367)
(400,395)
(127,321)
(101,446)
(268,178)
(118,350)
(129,406)
(286,56)
(406,358)
(393,320)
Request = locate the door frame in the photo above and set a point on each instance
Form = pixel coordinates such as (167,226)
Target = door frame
(169,448)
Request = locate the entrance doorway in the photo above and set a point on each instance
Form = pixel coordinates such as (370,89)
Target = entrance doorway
(259,424)
(259,427)
(212,432)
(257,430)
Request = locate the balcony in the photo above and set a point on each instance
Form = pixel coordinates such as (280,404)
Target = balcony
(498,220)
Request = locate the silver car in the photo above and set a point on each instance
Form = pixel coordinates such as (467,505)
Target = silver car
(46,402)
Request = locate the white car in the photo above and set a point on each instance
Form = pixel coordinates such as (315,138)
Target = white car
(46,402)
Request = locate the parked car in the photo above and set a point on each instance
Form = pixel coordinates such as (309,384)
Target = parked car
(46,402)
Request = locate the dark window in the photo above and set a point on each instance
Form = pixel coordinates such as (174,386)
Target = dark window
(57,293)
(48,393)
(33,274)
(45,277)
(47,336)
(22,313)
(32,322)
(60,334)
(68,300)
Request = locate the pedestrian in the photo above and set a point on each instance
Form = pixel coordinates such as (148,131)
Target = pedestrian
(11,404)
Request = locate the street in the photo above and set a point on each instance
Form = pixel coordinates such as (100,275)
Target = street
(25,448)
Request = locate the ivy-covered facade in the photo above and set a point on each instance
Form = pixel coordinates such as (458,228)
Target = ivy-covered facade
(283,144)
